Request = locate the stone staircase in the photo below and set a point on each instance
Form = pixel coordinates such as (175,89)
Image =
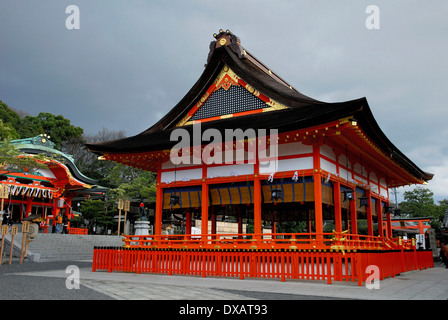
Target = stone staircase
(61,247)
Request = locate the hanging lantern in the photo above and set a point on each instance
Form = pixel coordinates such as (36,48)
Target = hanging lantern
(276,194)
(348,195)
(61,203)
(363,201)
(174,199)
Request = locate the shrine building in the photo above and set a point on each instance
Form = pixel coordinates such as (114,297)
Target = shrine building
(244,143)
(42,194)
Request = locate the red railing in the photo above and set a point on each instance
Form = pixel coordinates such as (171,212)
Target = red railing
(329,256)
(281,264)
(237,264)
(267,241)
(77,230)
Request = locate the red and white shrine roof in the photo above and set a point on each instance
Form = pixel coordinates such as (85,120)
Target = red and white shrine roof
(236,90)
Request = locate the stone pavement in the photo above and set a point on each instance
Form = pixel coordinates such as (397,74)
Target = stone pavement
(429,284)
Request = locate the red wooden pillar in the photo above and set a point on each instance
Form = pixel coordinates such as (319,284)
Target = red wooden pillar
(240,223)
(29,206)
(337,206)
(273,226)
(257,207)
(188,222)
(369,214)
(379,212)
(389,225)
(159,203)
(354,213)
(69,212)
(317,191)
(158,212)
(68,201)
(212,210)
(55,210)
(21,211)
(420,227)
(257,191)
(204,211)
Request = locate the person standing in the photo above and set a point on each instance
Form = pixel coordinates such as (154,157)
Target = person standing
(444,252)
(65,224)
(58,223)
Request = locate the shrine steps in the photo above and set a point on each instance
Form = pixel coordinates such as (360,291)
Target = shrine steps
(61,247)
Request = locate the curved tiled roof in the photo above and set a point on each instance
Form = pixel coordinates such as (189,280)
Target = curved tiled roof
(42,144)
(298,110)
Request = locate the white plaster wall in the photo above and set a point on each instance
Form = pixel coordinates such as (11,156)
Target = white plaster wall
(286,165)
(328,152)
(328,166)
(181,175)
(230,170)
(287,149)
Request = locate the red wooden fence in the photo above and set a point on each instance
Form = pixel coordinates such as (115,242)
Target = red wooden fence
(77,230)
(281,264)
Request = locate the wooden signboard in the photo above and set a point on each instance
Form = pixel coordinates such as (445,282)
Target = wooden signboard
(127,205)
(4,230)
(14,231)
(4,194)
(25,229)
(4,233)
(120,207)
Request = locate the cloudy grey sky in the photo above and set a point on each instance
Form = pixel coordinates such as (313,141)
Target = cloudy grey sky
(131,61)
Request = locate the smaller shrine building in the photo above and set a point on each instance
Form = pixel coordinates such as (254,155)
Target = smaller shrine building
(43,194)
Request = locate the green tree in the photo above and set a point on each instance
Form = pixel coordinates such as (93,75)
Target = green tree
(57,127)
(12,160)
(88,163)
(124,182)
(418,203)
(10,122)
(291,226)
(7,131)
(140,186)
(443,204)
(95,214)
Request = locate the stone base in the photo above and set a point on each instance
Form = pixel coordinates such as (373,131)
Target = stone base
(141,228)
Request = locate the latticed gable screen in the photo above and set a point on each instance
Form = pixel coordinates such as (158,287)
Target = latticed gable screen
(234,100)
